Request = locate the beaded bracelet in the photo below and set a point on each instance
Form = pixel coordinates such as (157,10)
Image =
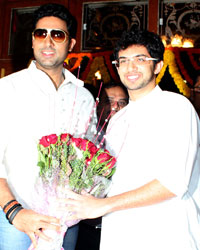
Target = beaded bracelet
(11,209)
(7,204)
(16,211)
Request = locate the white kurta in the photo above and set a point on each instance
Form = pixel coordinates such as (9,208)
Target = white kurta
(156,137)
(31,107)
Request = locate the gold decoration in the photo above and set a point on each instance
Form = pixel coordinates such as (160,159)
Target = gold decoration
(98,64)
(169,60)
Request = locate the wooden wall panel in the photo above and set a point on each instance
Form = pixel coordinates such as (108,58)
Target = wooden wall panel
(153,11)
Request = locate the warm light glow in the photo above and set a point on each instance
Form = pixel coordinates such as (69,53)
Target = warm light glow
(98,75)
(176,41)
(188,43)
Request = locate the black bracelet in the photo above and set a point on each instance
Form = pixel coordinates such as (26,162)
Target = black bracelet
(11,209)
(16,211)
(8,204)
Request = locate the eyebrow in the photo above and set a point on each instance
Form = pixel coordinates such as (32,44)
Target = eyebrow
(133,56)
(119,99)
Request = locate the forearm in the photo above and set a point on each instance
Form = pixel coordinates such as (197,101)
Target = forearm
(87,207)
(149,194)
(28,221)
(5,194)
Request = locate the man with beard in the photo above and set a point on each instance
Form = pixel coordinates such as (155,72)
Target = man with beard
(41,100)
(154,199)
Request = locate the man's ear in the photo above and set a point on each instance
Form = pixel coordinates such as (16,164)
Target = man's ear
(158,67)
(72,44)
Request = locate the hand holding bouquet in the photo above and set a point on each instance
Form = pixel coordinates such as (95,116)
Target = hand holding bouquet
(68,162)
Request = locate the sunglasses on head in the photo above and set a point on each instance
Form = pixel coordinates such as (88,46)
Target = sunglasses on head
(56,35)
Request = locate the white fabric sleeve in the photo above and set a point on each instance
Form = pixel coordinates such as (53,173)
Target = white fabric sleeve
(179,145)
(5,114)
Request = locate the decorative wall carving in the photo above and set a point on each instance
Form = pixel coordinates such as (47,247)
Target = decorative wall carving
(181,18)
(104,22)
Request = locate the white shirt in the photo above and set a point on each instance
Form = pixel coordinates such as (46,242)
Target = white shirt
(156,137)
(31,107)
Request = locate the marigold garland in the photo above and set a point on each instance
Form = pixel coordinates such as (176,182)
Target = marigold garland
(169,60)
(79,57)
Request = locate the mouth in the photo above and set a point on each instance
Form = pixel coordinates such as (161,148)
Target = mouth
(133,78)
(48,53)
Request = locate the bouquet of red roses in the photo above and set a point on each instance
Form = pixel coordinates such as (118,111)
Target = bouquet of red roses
(68,162)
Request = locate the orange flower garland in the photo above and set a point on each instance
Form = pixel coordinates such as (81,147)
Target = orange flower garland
(169,61)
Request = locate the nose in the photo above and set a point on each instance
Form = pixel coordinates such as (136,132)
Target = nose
(48,40)
(116,106)
(131,64)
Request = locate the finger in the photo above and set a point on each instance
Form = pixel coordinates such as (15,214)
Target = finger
(51,226)
(33,239)
(71,194)
(71,216)
(42,235)
(50,219)
(67,201)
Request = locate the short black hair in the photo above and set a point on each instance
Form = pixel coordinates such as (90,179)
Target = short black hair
(110,85)
(56,10)
(150,40)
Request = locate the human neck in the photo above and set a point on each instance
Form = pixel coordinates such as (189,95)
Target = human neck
(56,75)
(57,79)
(139,93)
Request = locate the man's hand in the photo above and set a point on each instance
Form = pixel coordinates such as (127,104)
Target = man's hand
(85,206)
(33,224)
(80,207)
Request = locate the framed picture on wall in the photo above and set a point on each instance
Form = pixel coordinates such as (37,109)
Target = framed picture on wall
(20,31)
(104,22)
(181,18)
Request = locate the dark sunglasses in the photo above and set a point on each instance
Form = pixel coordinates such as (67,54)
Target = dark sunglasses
(56,35)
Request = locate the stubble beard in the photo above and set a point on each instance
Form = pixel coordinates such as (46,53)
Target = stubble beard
(142,85)
(50,63)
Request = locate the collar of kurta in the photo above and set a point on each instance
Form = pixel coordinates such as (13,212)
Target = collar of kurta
(69,77)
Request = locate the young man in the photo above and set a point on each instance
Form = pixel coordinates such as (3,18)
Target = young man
(41,100)
(154,199)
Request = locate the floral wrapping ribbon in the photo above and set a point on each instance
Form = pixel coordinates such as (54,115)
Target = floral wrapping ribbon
(68,162)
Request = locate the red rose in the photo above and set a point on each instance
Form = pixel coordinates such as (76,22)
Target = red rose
(104,157)
(77,141)
(92,148)
(111,164)
(83,144)
(64,137)
(49,139)
(80,143)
